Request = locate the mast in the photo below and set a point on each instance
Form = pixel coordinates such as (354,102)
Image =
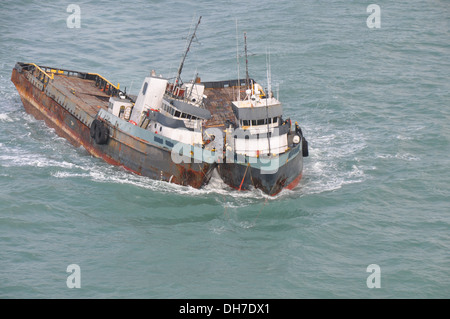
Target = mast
(177,79)
(237,58)
(269,75)
(247,81)
(268,95)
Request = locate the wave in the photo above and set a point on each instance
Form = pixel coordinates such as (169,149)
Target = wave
(29,159)
(401,156)
(227,196)
(336,159)
(5,118)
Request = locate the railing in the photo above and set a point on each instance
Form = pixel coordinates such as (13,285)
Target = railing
(45,74)
(38,72)
(224,84)
(103,84)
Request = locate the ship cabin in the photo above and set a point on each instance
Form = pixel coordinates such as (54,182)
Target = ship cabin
(260,128)
(174,112)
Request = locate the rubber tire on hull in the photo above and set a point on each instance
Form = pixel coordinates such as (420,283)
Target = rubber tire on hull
(94,127)
(305,151)
(101,133)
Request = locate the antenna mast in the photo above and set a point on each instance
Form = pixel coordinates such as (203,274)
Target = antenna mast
(177,80)
(269,76)
(247,81)
(237,58)
(268,95)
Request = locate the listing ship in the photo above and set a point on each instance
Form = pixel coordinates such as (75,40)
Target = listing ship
(90,111)
(171,131)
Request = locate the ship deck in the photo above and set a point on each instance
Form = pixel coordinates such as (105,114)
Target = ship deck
(83,92)
(219,99)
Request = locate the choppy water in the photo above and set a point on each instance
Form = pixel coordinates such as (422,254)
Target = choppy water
(373,103)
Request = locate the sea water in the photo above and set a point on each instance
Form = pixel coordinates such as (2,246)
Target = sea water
(368,82)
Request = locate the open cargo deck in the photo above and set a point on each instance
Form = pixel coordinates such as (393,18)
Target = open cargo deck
(86,92)
(219,96)
(83,92)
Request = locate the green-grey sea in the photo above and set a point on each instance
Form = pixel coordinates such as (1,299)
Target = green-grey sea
(370,89)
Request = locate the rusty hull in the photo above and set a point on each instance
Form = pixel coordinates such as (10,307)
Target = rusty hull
(70,104)
(243,176)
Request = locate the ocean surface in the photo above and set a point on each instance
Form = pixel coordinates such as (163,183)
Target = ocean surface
(373,102)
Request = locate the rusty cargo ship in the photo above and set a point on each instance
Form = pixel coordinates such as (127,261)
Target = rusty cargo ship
(178,134)
(171,131)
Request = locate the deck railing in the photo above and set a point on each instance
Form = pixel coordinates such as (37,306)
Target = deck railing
(45,74)
(38,72)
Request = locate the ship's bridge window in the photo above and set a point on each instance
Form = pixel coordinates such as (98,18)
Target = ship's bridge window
(177,113)
(259,122)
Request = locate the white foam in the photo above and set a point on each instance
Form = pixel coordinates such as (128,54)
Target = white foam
(326,169)
(36,160)
(5,118)
(403,138)
(400,156)
(60,174)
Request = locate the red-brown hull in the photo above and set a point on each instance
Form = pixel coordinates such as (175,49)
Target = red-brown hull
(132,153)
